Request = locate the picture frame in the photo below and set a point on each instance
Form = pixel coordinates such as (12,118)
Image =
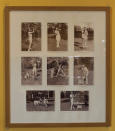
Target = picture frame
(57,66)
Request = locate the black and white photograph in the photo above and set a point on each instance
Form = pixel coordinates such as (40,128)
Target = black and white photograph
(40,100)
(31,36)
(83,70)
(31,70)
(57,70)
(84,37)
(57,36)
(74,100)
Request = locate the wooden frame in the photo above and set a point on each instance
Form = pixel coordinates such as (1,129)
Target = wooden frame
(7,66)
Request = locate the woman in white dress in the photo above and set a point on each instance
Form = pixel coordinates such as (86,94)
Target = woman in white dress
(58,37)
(72,101)
(30,38)
(34,70)
(84,37)
(85,74)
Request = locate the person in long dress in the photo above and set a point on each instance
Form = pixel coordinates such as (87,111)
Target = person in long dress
(30,32)
(85,74)
(58,37)
(84,37)
(72,101)
(34,70)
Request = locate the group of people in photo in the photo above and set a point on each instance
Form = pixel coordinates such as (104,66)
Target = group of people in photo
(40,100)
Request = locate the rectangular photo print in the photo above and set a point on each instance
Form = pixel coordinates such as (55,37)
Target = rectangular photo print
(83,70)
(40,100)
(84,37)
(31,71)
(74,100)
(31,36)
(57,70)
(57,36)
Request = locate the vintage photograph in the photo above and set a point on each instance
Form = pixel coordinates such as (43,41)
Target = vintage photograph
(40,100)
(31,71)
(31,36)
(74,101)
(57,36)
(83,70)
(57,70)
(84,37)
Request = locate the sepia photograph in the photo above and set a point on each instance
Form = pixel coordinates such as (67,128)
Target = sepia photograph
(31,36)
(57,36)
(31,71)
(57,70)
(83,70)
(84,37)
(74,101)
(40,100)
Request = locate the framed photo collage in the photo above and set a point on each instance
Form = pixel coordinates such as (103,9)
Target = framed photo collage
(57,63)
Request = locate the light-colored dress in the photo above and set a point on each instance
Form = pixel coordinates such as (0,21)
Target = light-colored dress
(30,36)
(34,70)
(85,74)
(58,37)
(72,101)
(85,34)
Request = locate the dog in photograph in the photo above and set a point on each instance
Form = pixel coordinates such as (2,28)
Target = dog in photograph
(37,102)
(27,76)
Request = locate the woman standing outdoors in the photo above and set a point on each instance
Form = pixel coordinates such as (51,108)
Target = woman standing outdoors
(84,37)
(58,37)
(30,32)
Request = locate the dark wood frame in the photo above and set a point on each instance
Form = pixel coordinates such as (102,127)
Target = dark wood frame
(7,66)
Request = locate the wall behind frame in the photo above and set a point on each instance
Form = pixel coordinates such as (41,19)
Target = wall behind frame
(3,3)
